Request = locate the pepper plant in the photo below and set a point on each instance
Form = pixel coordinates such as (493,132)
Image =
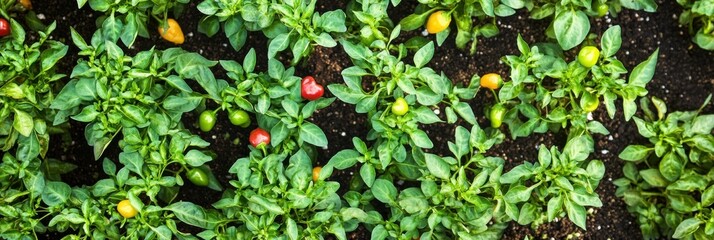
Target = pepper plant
(276,100)
(389,79)
(570,23)
(275,194)
(28,84)
(698,17)
(463,13)
(550,93)
(369,22)
(129,19)
(669,181)
(116,95)
(293,24)
(559,183)
(454,196)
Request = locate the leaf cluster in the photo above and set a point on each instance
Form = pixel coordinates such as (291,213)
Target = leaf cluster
(669,182)
(698,16)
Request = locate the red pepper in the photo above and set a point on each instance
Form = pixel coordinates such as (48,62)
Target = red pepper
(259,137)
(4,27)
(310,90)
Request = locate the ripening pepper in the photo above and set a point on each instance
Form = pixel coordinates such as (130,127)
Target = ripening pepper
(171,31)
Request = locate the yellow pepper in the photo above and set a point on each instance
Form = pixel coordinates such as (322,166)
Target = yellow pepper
(438,21)
(171,31)
(26,3)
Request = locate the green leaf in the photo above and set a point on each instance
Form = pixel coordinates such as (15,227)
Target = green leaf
(425,115)
(646,5)
(51,56)
(635,153)
(132,161)
(345,94)
(379,233)
(611,41)
(269,205)
(704,40)
(28,148)
(682,203)
(55,193)
(368,174)
(355,51)
(277,44)
(703,124)
(528,214)
(384,191)
(292,229)
(162,232)
(312,134)
(427,97)
(192,214)
(103,187)
(112,28)
(644,128)
(235,32)
(576,214)
(424,55)
(413,204)
(708,196)
(325,40)
(420,139)
(518,194)
(571,27)
(196,158)
(555,206)
(414,21)
(643,72)
(344,159)
(23,122)
(687,227)
(653,177)
(703,142)
(563,183)
(465,111)
(515,174)
(581,197)
(671,166)
(579,148)
(334,21)
(437,166)
(178,83)
(629,107)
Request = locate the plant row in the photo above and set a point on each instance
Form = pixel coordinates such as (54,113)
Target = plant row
(399,190)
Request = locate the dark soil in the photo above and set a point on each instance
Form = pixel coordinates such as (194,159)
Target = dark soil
(684,78)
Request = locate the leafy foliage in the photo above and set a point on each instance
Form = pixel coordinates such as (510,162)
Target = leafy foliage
(293,24)
(698,16)
(463,13)
(125,19)
(668,183)
(28,85)
(550,93)
(400,190)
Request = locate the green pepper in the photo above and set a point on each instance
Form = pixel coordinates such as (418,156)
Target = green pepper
(207,120)
(496,115)
(239,118)
(197,177)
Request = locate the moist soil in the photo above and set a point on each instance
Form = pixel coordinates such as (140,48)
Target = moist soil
(684,77)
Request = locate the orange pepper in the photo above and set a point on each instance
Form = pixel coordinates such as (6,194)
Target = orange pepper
(26,3)
(171,31)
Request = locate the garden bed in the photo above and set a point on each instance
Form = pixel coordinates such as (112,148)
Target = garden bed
(684,77)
